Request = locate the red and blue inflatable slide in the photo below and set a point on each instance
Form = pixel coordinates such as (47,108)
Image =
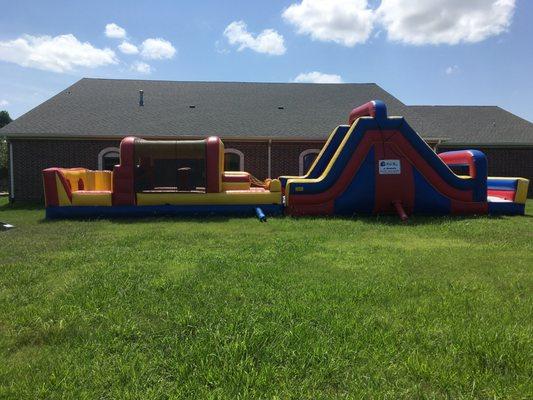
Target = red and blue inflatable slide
(378,164)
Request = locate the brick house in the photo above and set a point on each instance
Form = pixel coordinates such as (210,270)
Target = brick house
(269,129)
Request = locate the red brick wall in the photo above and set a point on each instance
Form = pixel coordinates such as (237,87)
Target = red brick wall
(255,156)
(286,155)
(32,156)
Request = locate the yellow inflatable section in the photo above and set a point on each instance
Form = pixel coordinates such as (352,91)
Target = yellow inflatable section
(252,196)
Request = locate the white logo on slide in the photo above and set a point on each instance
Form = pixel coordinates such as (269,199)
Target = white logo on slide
(390,167)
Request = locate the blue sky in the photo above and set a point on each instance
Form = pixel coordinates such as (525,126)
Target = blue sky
(441,52)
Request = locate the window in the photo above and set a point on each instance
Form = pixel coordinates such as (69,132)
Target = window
(233,160)
(307,158)
(108,158)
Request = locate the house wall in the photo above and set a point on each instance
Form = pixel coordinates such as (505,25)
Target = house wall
(255,156)
(30,157)
(286,155)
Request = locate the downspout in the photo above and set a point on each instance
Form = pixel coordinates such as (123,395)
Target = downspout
(269,158)
(11,174)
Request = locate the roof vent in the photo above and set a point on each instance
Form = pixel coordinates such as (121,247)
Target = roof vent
(281,108)
(192,106)
(141,98)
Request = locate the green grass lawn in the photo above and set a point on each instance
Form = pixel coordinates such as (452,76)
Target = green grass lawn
(294,308)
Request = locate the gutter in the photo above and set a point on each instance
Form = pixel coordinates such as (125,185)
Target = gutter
(174,137)
(442,141)
(269,158)
(11,174)
(490,145)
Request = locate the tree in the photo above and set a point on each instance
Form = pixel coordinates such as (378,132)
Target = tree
(4,118)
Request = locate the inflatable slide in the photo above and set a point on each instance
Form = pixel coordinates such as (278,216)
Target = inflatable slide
(379,164)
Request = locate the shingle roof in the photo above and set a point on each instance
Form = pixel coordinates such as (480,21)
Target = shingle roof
(110,107)
(471,124)
(105,107)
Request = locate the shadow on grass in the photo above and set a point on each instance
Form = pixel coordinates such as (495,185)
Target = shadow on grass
(385,220)
(391,219)
(118,220)
(25,206)
(417,220)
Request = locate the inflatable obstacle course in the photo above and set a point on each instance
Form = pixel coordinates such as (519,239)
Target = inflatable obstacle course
(374,165)
(160,177)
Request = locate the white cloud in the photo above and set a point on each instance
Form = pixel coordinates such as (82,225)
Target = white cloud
(268,41)
(141,67)
(351,22)
(58,54)
(317,77)
(157,49)
(114,31)
(4,103)
(452,69)
(347,22)
(445,21)
(128,48)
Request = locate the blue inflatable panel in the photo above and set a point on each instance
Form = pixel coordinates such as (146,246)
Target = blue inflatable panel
(506,208)
(427,199)
(360,193)
(502,184)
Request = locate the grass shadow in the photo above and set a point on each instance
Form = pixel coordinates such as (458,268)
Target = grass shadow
(23,206)
(416,220)
(127,220)
(390,220)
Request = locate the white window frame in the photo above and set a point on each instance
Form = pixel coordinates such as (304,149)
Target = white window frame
(240,154)
(103,153)
(301,159)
